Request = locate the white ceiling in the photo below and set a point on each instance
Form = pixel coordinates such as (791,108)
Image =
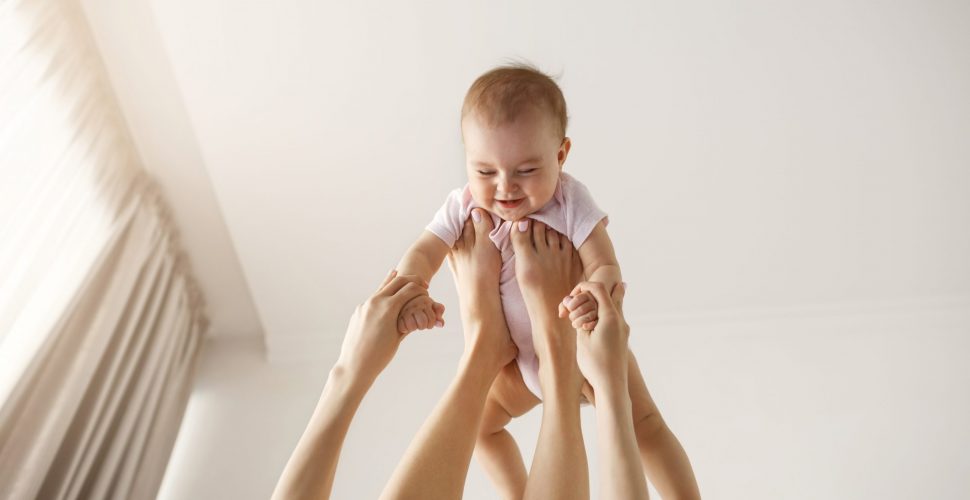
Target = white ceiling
(750,157)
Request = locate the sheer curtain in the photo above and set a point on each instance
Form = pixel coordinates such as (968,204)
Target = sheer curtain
(100,317)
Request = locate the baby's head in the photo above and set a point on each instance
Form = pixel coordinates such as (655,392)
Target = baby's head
(513,124)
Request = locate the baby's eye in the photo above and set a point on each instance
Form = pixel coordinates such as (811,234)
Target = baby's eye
(528,171)
(485,172)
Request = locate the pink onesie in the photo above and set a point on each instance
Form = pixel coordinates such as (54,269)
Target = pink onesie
(571,211)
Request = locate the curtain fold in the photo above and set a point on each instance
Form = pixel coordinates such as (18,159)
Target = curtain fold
(101,319)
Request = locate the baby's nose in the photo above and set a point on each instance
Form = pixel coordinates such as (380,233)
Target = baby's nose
(505,185)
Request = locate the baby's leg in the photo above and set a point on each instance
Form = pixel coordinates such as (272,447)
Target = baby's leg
(664,460)
(496,449)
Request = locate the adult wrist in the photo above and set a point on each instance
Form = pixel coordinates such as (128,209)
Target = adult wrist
(349,377)
(612,396)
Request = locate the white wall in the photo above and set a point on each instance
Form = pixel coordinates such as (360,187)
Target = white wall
(750,153)
(757,158)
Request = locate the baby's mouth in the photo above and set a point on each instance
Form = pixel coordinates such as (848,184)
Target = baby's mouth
(509,203)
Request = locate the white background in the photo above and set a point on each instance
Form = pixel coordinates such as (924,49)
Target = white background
(788,185)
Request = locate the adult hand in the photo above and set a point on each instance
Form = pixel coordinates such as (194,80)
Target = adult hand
(602,352)
(372,337)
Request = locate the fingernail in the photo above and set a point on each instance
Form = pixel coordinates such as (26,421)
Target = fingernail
(623,283)
(567,300)
(523,225)
(477,217)
(439,323)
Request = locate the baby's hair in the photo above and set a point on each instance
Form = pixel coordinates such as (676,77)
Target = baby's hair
(504,92)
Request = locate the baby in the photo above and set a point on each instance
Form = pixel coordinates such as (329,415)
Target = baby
(513,123)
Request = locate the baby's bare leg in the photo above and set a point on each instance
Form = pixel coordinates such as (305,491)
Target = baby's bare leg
(496,449)
(664,460)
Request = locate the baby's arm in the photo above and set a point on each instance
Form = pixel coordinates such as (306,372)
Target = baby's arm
(423,259)
(599,265)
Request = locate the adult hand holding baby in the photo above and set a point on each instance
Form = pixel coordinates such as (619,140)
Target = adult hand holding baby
(602,351)
(369,345)
(602,357)
(370,342)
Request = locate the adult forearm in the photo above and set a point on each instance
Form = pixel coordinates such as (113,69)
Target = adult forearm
(667,465)
(310,470)
(436,463)
(622,476)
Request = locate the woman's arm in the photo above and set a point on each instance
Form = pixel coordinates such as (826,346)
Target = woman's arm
(602,357)
(369,345)
(422,259)
(436,463)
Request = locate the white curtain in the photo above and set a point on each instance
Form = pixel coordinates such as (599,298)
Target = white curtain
(100,318)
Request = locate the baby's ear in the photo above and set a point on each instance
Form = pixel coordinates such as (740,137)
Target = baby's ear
(563,151)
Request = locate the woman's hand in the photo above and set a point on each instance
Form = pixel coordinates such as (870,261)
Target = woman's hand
(602,352)
(372,336)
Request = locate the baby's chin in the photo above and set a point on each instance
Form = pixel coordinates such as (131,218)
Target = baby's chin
(508,214)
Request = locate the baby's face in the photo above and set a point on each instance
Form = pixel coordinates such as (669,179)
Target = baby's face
(513,168)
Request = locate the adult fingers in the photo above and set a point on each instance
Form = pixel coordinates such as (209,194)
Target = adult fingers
(599,293)
(439,314)
(399,281)
(410,323)
(407,292)
(387,280)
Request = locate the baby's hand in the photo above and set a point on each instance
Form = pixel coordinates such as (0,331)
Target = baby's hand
(420,313)
(581,309)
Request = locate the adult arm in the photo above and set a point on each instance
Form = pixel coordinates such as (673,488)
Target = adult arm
(602,357)
(369,345)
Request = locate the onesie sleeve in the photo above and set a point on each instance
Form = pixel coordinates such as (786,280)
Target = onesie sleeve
(450,218)
(582,213)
